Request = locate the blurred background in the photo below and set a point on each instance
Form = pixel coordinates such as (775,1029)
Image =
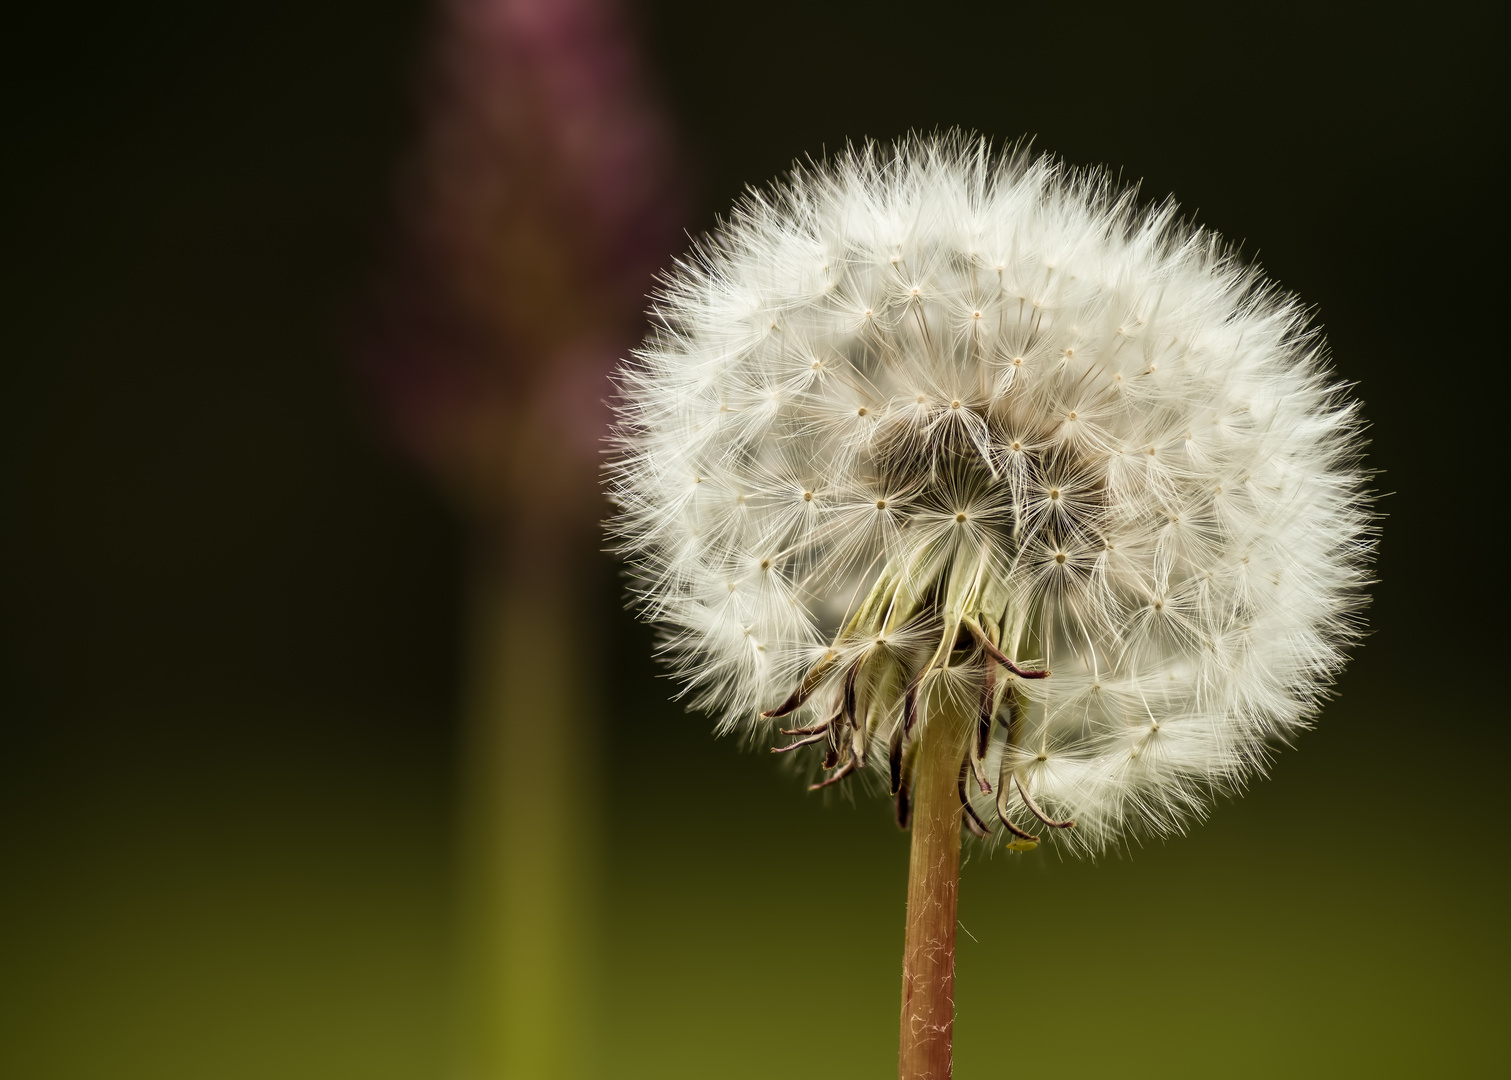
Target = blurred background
(240,582)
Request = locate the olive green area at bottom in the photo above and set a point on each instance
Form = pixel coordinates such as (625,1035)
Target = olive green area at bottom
(230,897)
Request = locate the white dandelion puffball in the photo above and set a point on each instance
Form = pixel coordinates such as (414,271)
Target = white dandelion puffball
(931,432)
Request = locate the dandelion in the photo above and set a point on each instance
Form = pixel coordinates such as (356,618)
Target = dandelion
(982,484)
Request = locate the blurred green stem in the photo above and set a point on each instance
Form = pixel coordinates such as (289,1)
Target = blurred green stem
(530,773)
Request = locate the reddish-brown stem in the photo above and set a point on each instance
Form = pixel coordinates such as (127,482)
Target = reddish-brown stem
(928,959)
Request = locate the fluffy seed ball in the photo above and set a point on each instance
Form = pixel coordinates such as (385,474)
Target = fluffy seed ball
(921,424)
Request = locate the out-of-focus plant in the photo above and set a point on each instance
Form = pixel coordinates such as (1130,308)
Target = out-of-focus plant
(544,193)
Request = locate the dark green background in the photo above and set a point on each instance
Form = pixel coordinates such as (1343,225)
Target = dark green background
(231,614)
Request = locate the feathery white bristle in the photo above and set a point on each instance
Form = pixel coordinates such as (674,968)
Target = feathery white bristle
(988,387)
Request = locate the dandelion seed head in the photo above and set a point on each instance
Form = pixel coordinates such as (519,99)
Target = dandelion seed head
(945,405)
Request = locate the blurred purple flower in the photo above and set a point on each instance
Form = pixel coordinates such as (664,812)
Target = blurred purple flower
(545,193)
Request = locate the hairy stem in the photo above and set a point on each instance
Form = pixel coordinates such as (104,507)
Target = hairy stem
(928,959)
